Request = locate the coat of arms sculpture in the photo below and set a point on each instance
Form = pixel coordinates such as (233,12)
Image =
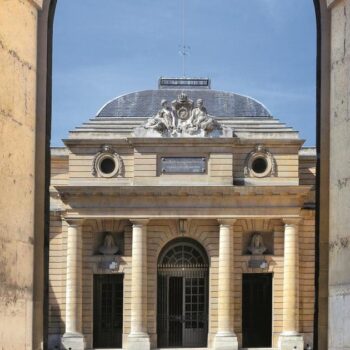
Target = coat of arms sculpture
(182,119)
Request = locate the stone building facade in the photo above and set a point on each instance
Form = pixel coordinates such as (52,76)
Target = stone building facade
(25,52)
(182,217)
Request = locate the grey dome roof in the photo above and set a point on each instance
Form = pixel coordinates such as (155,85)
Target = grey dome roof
(218,103)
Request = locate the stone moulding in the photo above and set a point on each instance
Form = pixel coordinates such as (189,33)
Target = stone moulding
(72,191)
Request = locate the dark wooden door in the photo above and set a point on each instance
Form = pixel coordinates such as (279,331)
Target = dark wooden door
(108,311)
(257,310)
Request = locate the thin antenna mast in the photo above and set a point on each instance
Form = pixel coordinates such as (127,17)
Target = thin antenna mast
(184,51)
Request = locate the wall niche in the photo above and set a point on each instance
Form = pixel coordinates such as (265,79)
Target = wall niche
(258,243)
(109,243)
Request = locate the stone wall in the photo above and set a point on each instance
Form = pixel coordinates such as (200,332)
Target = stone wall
(18,89)
(14,135)
(339,201)
(159,233)
(225,163)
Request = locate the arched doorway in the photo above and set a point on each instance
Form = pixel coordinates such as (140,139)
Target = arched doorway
(182,319)
(323,127)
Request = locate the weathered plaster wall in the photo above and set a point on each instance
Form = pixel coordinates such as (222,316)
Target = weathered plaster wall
(12,135)
(18,57)
(339,234)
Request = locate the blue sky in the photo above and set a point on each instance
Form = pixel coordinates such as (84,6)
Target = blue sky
(261,48)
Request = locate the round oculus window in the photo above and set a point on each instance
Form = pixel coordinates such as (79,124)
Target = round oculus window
(259,165)
(107,165)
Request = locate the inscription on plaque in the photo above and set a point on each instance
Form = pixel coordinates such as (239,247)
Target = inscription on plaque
(109,264)
(258,264)
(183,165)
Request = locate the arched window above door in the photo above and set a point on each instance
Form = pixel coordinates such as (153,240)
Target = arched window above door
(183,253)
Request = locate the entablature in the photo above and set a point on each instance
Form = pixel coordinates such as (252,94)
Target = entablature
(178,191)
(183,213)
(185,141)
(182,200)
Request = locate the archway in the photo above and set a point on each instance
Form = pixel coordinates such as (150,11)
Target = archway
(44,114)
(182,312)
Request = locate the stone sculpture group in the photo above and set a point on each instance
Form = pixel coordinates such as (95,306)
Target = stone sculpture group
(183,119)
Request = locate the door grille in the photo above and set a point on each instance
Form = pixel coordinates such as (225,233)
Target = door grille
(183,296)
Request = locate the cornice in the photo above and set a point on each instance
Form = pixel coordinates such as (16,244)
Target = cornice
(74,222)
(159,141)
(139,222)
(176,213)
(66,191)
(292,221)
(227,222)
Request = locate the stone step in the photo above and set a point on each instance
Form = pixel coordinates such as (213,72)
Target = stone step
(208,348)
(198,349)
(181,349)
(259,348)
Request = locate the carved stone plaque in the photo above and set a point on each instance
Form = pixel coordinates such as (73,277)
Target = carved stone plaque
(183,165)
(109,264)
(258,264)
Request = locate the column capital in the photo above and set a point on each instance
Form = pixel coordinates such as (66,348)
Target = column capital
(139,222)
(292,221)
(226,222)
(74,221)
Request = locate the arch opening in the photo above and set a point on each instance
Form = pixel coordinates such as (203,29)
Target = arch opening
(316,244)
(182,312)
(183,253)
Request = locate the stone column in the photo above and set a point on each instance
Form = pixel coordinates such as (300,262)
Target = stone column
(73,337)
(225,338)
(290,337)
(138,338)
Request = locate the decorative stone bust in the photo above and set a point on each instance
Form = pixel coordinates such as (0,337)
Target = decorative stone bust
(257,246)
(108,247)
